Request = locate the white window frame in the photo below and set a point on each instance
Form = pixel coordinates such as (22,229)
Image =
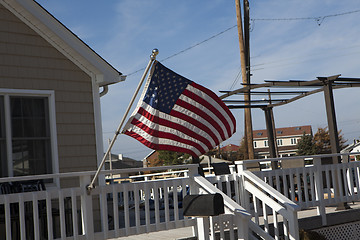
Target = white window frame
(50,95)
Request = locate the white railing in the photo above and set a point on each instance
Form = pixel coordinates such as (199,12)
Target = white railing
(128,208)
(316,185)
(109,211)
(274,215)
(113,210)
(234,223)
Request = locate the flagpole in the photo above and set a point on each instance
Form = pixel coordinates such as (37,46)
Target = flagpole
(152,59)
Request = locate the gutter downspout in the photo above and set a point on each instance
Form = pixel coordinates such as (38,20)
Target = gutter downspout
(104,91)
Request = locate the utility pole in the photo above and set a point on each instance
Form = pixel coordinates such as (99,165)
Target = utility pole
(274,127)
(245,70)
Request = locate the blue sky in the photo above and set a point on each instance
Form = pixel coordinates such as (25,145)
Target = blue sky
(124,32)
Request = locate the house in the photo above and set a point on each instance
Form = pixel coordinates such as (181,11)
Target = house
(118,161)
(230,148)
(50,83)
(352,148)
(152,159)
(286,139)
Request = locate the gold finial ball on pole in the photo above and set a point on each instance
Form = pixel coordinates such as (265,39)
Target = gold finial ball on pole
(155,52)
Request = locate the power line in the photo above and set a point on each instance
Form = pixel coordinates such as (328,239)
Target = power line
(319,20)
(191,47)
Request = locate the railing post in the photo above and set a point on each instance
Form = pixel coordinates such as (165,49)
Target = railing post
(244,197)
(87,216)
(194,189)
(203,226)
(293,226)
(319,190)
(242,226)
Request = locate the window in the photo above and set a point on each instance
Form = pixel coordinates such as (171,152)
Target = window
(266,143)
(254,144)
(25,136)
(279,142)
(279,132)
(259,133)
(293,141)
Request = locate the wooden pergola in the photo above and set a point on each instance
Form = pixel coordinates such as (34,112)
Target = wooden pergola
(321,84)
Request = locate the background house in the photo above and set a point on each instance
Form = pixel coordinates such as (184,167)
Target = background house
(352,148)
(286,139)
(50,118)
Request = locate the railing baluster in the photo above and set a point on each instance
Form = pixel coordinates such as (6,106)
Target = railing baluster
(357,179)
(306,187)
(286,228)
(22,217)
(328,185)
(62,215)
(7,217)
(256,209)
(285,183)
(137,207)
(228,185)
(104,212)
(346,182)
(265,217)
(176,202)
(312,186)
(157,191)
(147,197)
(277,179)
(74,214)
(276,224)
(231,228)
(221,226)
(35,215)
(292,185)
(126,209)
(49,215)
(299,187)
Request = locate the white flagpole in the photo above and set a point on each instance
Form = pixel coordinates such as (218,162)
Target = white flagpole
(152,59)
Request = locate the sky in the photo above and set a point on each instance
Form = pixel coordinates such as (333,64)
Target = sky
(289,40)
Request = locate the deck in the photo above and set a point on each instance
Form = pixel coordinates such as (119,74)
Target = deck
(264,204)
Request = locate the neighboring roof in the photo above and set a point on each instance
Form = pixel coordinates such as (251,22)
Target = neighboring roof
(230,148)
(125,163)
(65,41)
(282,132)
(351,148)
(205,160)
(150,154)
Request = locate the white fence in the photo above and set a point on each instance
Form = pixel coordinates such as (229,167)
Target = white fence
(316,185)
(258,204)
(110,211)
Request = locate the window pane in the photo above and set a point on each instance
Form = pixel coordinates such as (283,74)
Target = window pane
(3,155)
(31,136)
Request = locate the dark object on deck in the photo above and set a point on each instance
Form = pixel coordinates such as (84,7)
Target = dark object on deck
(203,205)
(221,168)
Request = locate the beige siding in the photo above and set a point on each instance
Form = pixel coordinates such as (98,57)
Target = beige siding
(27,61)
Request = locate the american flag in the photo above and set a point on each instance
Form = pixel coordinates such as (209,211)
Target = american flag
(179,115)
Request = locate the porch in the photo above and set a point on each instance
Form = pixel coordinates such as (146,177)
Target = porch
(258,205)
